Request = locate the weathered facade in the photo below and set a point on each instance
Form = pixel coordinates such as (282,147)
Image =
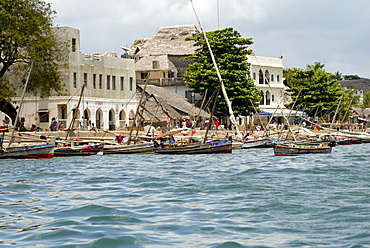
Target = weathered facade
(163,60)
(107,100)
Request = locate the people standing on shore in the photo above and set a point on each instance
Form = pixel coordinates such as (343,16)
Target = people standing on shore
(53,124)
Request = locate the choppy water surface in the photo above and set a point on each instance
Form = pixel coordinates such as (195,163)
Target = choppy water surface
(249,198)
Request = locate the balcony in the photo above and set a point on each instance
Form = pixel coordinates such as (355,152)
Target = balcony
(163,81)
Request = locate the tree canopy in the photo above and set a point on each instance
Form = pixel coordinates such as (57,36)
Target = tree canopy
(366,100)
(317,92)
(230,51)
(26,35)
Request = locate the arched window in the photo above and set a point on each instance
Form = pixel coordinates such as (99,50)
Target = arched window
(111,115)
(263,98)
(112,125)
(122,115)
(99,119)
(260,77)
(87,114)
(268,99)
(267,77)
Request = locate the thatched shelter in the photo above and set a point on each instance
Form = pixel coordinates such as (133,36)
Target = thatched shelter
(161,107)
(168,40)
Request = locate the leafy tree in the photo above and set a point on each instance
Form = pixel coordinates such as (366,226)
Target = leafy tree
(26,35)
(317,91)
(289,76)
(349,77)
(230,51)
(366,100)
(339,76)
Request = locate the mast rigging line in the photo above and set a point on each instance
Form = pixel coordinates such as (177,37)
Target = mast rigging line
(21,102)
(232,117)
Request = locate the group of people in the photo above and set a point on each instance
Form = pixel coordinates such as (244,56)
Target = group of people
(20,124)
(186,123)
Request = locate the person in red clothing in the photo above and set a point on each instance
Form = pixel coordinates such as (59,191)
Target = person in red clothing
(217,124)
(187,123)
(33,128)
(120,138)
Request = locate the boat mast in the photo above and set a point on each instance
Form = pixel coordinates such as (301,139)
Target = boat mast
(211,117)
(336,112)
(75,113)
(232,117)
(137,110)
(21,103)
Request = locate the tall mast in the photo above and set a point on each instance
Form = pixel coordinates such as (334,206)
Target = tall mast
(21,103)
(232,117)
(71,125)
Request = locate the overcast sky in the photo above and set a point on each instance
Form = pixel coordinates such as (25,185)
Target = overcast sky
(333,32)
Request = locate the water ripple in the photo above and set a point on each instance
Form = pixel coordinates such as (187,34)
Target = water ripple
(249,198)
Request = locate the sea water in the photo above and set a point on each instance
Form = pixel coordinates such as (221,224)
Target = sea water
(249,198)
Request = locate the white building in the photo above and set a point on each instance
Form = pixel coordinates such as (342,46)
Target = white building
(267,74)
(107,100)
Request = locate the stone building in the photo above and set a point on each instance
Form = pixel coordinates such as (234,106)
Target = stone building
(163,60)
(361,86)
(107,100)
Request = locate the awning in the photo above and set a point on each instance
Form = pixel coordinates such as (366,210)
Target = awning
(279,112)
(264,113)
(43,110)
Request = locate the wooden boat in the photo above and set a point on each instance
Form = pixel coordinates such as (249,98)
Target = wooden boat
(128,149)
(349,141)
(258,143)
(345,141)
(81,150)
(294,149)
(237,145)
(356,140)
(201,148)
(34,151)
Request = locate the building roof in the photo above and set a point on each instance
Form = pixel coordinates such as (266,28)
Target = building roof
(161,103)
(359,84)
(365,113)
(146,63)
(168,40)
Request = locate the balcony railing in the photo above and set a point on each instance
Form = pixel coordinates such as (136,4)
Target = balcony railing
(163,81)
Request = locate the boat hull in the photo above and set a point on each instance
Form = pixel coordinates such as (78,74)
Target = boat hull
(209,148)
(28,152)
(356,140)
(260,143)
(128,149)
(294,150)
(78,151)
(237,145)
(349,141)
(346,141)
